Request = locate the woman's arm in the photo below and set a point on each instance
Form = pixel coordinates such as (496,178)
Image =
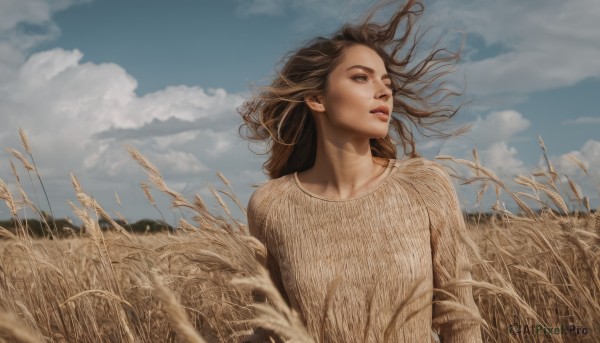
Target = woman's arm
(450,257)
(256,216)
(256,213)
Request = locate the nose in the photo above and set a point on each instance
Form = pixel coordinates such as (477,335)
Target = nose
(383,91)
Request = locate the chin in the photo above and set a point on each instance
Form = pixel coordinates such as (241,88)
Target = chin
(379,135)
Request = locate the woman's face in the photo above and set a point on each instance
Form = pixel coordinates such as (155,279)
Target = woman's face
(358,88)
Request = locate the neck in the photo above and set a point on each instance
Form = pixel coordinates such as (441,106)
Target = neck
(341,171)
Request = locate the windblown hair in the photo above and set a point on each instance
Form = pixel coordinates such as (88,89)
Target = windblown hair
(278,112)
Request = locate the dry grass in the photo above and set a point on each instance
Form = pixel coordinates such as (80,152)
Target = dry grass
(204,284)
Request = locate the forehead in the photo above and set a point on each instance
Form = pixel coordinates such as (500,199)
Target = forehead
(362,55)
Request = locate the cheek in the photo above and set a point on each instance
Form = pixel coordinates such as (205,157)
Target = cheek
(346,99)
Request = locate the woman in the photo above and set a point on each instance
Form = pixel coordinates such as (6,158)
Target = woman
(350,231)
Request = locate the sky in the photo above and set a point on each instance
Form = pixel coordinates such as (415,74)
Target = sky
(85,78)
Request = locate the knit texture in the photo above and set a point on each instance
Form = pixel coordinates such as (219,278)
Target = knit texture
(406,232)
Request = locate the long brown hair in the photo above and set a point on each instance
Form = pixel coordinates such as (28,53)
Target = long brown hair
(279,114)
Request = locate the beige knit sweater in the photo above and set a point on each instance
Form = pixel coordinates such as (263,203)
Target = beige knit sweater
(403,231)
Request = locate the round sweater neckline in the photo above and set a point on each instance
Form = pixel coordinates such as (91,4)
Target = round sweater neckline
(391,165)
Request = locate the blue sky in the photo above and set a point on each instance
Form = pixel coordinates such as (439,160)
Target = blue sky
(84,78)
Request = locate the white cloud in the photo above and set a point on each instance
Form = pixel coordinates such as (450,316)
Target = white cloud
(13,12)
(310,14)
(260,7)
(582,121)
(589,155)
(24,25)
(79,116)
(498,127)
(177,163)
(549,44)
(87,99)
(17,17)
(502,160)
(492,136)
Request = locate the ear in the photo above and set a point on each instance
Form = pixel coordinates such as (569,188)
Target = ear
(315,103)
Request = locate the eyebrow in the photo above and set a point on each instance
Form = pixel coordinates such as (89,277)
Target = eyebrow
(370,70)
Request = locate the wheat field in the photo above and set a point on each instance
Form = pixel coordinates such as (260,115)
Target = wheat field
(536,273)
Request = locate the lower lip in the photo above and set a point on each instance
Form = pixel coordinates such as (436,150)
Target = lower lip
(381,116)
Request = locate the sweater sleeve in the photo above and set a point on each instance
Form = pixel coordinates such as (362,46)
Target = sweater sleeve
(450,257)
(256,211)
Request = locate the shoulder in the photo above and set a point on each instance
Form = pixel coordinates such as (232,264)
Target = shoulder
(422,170)
(265,195)
(433,183)
(260,203)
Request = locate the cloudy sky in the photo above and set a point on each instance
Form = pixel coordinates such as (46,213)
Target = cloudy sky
(85,78)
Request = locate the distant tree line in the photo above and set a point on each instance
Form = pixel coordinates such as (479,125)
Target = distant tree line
(479,217)
(63,228)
